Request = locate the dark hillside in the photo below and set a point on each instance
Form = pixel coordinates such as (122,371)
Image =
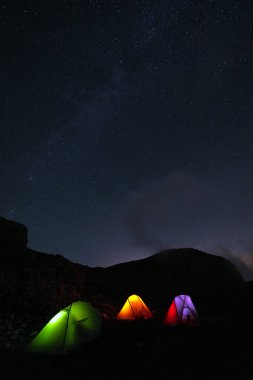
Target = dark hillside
(175,271)
(34,285)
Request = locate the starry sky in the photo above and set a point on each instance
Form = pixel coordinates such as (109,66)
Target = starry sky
(126,126)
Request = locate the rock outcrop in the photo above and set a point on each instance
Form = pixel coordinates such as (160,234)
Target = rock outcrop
(13,235)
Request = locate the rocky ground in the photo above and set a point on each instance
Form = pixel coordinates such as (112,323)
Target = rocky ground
(148,350)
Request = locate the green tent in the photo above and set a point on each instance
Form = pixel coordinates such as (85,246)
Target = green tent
(72,326)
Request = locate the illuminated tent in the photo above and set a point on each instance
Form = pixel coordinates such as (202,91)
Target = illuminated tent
(72,326)
(134,308)
(182,311)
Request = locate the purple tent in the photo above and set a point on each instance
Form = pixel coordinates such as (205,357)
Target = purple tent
(182,311)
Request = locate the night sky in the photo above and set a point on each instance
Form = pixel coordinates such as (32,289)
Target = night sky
(126,126)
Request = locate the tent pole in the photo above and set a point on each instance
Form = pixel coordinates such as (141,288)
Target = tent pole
(131,308)
(65,335)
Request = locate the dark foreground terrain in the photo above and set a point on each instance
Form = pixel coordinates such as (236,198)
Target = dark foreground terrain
(221,349)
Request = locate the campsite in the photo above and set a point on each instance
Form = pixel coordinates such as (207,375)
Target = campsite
(181,314)
(145,350)
(126,190)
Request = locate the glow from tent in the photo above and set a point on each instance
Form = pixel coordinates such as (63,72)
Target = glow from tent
(134,308)
(57,317)
(78,323)
(124,313)
(182,311)
(171,316)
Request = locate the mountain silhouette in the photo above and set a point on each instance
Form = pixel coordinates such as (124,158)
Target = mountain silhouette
(35,285)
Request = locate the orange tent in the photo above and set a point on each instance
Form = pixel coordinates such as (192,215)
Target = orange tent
(134,308)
